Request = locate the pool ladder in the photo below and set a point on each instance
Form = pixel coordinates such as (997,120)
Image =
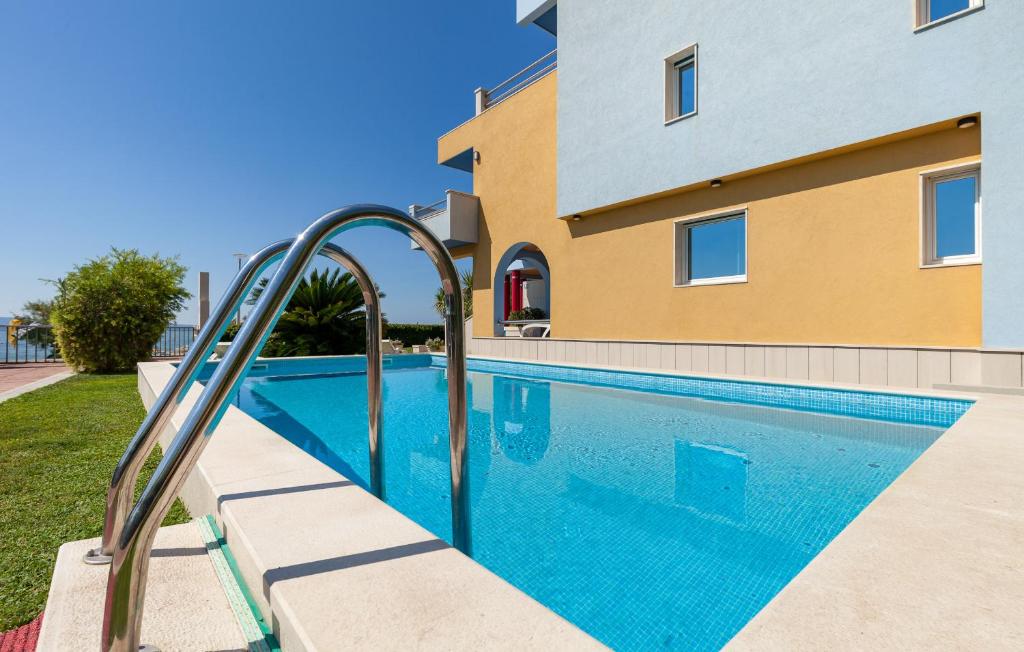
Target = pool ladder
(129,530)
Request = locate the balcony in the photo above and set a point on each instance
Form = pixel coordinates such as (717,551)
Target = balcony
(454,219)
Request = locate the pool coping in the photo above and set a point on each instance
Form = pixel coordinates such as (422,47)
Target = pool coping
(905,573)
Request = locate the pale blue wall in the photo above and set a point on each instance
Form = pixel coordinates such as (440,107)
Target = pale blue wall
(784,80)
(529,10)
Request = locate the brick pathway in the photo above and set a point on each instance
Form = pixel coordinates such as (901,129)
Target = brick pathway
(13,376)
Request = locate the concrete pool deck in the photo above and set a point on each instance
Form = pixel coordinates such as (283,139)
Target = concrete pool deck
(934,561)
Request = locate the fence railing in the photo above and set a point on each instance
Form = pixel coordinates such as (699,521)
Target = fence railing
(26,343)
(175,342)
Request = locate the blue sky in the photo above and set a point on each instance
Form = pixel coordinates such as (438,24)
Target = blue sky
(202,129)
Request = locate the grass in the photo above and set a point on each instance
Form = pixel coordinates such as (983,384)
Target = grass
(58,448)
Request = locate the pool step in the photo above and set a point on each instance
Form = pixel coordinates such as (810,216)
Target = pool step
(187,607)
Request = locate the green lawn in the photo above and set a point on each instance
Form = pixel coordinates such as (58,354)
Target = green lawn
(58,448)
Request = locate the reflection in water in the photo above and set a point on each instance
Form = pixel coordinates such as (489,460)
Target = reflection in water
(522,418)
(280,421)
(650,521)
(711,479)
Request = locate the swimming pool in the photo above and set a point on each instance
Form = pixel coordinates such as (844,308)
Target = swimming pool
(649,517)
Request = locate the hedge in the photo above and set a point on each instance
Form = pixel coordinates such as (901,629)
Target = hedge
(110,311)
(410,334)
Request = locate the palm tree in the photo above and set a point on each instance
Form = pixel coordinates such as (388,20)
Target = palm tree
(325,316)
(467,296)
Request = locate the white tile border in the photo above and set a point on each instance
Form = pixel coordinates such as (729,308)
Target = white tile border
(872,366)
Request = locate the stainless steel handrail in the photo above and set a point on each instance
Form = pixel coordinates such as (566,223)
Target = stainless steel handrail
(126,581)
(122,485)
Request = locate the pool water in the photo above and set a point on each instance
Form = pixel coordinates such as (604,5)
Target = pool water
(648,520)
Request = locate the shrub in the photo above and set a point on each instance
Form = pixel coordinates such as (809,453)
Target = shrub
(325,316)
(411,334)
(109,312)
(435,344)
(230,332)
(526,313)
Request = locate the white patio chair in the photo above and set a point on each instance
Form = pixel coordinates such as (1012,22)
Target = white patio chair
(535,330)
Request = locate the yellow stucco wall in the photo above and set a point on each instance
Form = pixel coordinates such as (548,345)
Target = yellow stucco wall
(832,244)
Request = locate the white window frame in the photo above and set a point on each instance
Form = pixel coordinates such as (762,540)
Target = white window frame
(682,229)
(672,107)
(923,7)
(929,180)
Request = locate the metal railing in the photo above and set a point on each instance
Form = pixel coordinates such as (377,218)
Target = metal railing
(126,474)
(175,341)
(126,581)
(489,97)
(23,343)
(424,212)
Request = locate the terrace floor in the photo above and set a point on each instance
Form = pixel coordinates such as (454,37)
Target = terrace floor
(16,376)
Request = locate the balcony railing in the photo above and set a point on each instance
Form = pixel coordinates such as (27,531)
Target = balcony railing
(454,219)
(423,212)
(486,98)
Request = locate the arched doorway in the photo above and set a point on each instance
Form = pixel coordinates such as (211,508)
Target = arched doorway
(522,286)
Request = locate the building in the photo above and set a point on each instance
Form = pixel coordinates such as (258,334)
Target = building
(830,194)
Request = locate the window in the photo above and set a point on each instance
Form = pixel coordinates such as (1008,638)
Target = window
(952,216)
(931,12)
(712,250)
(681,84)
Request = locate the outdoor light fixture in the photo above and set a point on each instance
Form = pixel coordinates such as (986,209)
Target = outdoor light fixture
(716,183)
(476,157)
(577,217)
(967,123)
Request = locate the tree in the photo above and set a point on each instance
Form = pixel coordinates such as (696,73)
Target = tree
(37,312)
(109,312)
(467,296)
(325,316)
(33,314)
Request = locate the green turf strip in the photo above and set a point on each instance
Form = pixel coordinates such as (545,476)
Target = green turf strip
(58,448)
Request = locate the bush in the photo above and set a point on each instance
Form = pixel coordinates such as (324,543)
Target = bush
(109,312)
(326,315)
(526,313)
(230,332)
(435,344)
(411,334)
